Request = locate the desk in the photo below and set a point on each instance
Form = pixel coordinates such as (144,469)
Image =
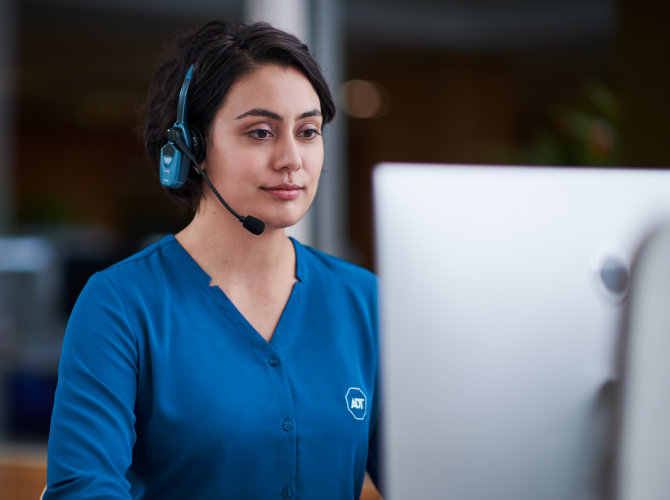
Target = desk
(369,491)
(23,471)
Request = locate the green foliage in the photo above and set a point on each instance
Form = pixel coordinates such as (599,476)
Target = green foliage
(585,135)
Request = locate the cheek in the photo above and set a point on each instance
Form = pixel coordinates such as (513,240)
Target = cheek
(313,161)
(234,163)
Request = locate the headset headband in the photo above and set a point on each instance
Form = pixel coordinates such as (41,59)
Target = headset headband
(182,107)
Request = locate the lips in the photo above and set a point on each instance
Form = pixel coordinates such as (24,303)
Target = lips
(284,191)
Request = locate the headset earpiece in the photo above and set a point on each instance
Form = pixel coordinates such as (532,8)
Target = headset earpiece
(198,144)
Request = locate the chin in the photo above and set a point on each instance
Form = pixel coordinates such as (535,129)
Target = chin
(282,221)
(280,215)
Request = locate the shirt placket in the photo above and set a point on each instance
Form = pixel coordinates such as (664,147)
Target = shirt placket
(286,425)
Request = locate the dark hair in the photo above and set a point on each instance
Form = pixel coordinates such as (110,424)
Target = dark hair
(222,52)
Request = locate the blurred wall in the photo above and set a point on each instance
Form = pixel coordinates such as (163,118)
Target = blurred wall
(644,74)
(8,56)
(80,157)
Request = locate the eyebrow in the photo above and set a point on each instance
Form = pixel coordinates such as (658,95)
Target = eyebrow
(314,112)
(274,116)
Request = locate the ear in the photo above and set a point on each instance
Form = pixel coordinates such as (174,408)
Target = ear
(203,165)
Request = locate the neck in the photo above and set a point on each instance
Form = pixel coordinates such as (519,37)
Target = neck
(218,242)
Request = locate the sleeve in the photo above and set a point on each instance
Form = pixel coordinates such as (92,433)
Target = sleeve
(92,425)
(374,455)
(374,465)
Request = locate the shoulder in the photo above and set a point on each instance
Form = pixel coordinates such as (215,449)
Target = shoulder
(145,266)
(322,265)
(132,293)
(342,292)
(339,281)
(145,279)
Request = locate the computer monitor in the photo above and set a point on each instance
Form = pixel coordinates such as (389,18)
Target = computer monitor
(501,303)
(641,434)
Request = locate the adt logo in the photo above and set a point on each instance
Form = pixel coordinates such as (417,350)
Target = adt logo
(357,403)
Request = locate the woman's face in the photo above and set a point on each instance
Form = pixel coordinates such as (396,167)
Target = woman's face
(265,150)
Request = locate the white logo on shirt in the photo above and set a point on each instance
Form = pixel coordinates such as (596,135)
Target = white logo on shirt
(356,403)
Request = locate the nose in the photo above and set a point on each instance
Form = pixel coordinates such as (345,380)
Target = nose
(288,156)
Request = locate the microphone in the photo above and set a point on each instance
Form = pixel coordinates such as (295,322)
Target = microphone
(251,224)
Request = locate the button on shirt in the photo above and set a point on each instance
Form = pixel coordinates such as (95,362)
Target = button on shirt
(166,391)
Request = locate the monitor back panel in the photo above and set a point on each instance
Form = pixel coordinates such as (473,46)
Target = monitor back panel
(500,321)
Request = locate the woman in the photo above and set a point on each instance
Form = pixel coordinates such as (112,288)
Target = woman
(218,363)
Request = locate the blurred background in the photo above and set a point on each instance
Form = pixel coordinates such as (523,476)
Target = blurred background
(533,82)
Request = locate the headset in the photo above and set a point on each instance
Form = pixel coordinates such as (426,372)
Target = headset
(186,146)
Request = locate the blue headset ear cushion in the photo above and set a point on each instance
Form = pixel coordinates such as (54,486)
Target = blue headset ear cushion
(199,147)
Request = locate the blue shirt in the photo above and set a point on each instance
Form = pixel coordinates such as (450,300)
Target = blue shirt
(165,391)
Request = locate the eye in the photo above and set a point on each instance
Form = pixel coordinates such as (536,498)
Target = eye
(260,133)
(309,133)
